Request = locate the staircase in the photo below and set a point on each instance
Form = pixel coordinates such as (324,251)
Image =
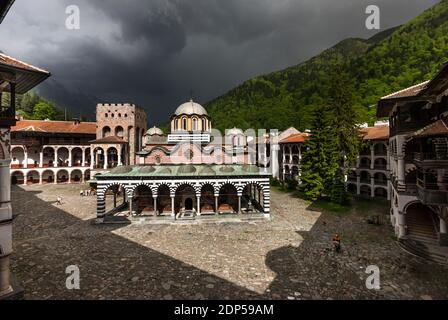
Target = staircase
(422,239)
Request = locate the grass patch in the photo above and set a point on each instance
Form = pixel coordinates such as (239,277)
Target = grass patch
(327,205)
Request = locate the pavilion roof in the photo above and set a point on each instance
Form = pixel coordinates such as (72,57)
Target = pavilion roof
(295,138)
(184,170)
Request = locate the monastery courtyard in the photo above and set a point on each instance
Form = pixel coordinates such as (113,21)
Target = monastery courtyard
(289,257)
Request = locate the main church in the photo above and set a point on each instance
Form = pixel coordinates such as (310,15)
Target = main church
(189,173)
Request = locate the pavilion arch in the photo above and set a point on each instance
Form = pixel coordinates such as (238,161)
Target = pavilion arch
(295,150)
(228,199)
(17,157)
(381,192)
(254,193)
(113,196)
(62,176)
(208,204)
(32,177)
(119,131)
(98,154)
(76,176)
(87,175)
(48,176)
(77,156)
(48,153)
(143,199)
(106,131)
(164,199)
(185,198)
(17,177)
(62,156)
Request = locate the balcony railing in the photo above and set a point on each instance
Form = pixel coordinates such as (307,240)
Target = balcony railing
(433,194)
(381,182)
(430,156)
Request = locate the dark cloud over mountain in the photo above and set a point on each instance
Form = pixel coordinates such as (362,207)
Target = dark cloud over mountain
(155,52)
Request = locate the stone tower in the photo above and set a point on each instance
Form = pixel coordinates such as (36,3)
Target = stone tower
(126,121)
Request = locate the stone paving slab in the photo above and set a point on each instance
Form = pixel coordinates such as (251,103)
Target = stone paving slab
(287,257)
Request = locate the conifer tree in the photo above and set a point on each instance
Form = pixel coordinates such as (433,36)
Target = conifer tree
(318,163)
(345,120)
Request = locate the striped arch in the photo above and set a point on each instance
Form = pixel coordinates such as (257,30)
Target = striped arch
(197,188)
(132,188)
(101,189)
(172,187)
(215,187)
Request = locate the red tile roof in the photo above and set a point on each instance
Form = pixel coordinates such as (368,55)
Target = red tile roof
(295,138)
(54,127)
(437,128)
(376,133)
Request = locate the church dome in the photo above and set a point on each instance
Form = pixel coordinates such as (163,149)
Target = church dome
(190,108)
(154,131)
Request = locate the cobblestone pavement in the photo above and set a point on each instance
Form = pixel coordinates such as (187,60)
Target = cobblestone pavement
(289,257)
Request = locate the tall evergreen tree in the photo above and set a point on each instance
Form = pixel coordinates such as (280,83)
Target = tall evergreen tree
(318,163)
(345,120)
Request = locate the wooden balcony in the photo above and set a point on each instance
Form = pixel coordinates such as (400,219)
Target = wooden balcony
(431,159)
(433,193)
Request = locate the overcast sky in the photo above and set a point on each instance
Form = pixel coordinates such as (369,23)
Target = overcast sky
(154,53)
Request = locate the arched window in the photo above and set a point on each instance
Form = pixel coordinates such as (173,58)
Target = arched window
(184,123)
(204,124)
(195,124)
(176,124)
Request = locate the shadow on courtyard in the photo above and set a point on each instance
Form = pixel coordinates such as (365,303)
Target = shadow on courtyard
(49,239)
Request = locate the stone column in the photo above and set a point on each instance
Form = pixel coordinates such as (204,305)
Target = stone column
(105,160)
(216,203)
(41,159)
(25,153)
(119,158)
(70,157)
(372,157)
(83,163)
(155,205)
(372,187)
(5,227)
(100,207)
(55,164)
(25,178)
(173,214)
(92,160)
(239,203)
(41,177)
(199,205)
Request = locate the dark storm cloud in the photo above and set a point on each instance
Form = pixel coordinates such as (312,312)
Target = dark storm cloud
(153,53)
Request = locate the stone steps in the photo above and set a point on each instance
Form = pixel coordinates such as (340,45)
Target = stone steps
(425,250)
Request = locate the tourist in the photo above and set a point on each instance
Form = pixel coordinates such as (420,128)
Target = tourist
(337,243)
(59,201)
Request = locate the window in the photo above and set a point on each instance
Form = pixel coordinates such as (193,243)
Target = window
(204,125)
(106,115)
(195,124)
(158,159)
(184,123)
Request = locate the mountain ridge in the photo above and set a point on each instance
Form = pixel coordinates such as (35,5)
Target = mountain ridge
(391,60)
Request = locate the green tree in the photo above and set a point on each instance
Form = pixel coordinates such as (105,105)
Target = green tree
(345,119)
(319,160)
(44,110)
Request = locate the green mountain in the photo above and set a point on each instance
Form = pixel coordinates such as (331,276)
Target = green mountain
(389,61)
